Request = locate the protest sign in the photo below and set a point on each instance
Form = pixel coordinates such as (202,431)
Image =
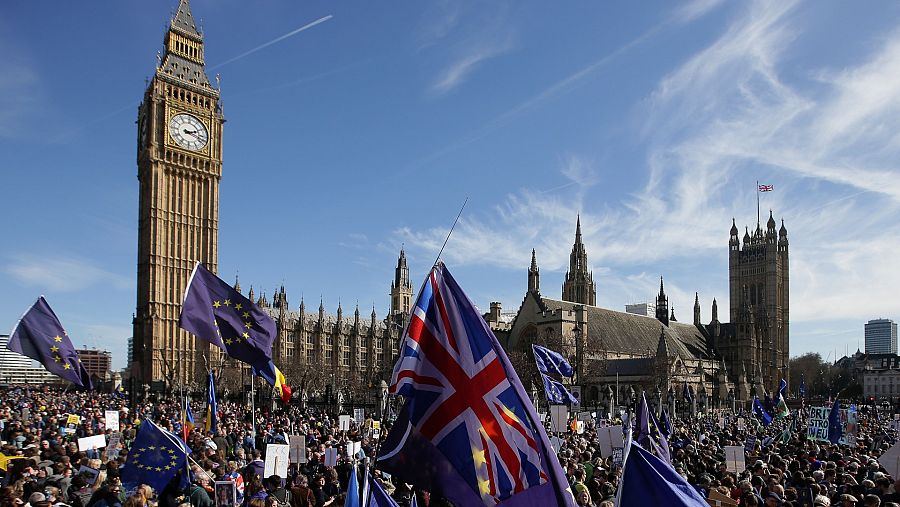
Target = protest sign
(298,449)
(750,444)
(277,458)
(112,419)
(559,415)
(331,457)
(734,458)
(609,438)
(359,415)
(344,422)
(93,442)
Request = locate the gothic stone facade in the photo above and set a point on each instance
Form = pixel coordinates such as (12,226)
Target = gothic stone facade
(717,361)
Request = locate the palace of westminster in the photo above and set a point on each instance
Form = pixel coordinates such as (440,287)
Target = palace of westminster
(179,159)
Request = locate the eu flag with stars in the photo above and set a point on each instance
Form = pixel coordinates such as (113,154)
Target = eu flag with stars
(556,392)
(550,361)
(216,312)
(40,336)
(156,456)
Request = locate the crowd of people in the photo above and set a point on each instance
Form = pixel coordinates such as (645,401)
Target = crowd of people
(41,464)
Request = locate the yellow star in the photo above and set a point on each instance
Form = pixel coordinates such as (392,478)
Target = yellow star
(54,349)
(67,366)
(246,315)
(484,487)
(57,338)
(57,359)
(159,469)
(248,325)
(227,302)
(246,336)
(143,449)
(171,451)
(216,304)
(151,447)
(218,333)
(228,341)
(478,455)
(238,307)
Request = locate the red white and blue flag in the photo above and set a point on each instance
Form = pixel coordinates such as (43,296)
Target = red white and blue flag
(467,431)
(766,188)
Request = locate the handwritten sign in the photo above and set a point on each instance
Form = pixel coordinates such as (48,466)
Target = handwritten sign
(298,448)
(93,442)
(112,419)
(277,458)
(734,458)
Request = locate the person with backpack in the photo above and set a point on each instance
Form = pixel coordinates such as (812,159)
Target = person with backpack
(277,491)
(301,494)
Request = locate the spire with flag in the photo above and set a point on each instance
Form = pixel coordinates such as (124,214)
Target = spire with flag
(40,336)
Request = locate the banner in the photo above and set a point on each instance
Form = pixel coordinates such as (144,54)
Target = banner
(817,428)
(93,442)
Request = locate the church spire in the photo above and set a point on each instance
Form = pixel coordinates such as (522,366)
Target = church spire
(662,304)
(534,275)
(401,288)
(696,308)
(183,21)
(579,286)
(237,284)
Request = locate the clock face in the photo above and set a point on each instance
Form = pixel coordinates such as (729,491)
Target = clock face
(188,131)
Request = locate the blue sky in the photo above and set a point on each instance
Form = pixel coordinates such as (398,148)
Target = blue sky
(653,120)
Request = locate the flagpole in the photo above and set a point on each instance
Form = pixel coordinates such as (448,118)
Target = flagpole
(451,231)
(757,203)
(187,465)
(253,404)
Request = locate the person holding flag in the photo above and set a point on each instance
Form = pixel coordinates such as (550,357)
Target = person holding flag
(40,336)
(466,415)
(156,457)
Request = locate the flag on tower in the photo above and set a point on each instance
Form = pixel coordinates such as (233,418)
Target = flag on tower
(40,336)
(216,312)
(466,413)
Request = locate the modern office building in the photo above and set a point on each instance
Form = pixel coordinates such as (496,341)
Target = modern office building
(881,336)
(97,362)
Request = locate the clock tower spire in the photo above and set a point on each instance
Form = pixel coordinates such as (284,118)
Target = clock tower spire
(179,159)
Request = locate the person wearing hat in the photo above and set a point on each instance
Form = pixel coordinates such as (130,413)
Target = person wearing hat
(848,500)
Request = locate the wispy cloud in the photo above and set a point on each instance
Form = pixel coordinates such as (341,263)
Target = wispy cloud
(62,274)
(459,70)
(726,111)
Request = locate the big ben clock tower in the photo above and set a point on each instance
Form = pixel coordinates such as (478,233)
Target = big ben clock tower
(179,158)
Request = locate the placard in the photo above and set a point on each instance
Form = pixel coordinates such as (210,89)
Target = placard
(734,459)
(298,448)
(72,423)
(353,448)
(741,423)
(277,458)
(226,494)
(750,444)
(890,460)
(817,424)
(331,457)
(609,438)
(112,445)
(359,415)
(92,442)
(376,429)
(344,422)
(559,415)
(556,443)
(91,474)
(584,416)
(112,419)
(576,393)
(617,455)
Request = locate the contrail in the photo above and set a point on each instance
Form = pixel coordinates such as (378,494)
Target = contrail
(273,41)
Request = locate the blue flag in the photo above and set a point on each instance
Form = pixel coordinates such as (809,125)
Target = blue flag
(761,413)
(467,430)
(557,393)
(413,502)
(215,312)
(352,499)
(40,336)
(211,407)
(782,385)
(665,426)
(647,432)
(686,394)
(647,480)
(378,497)
(835,428)
(549,361)
(156,456)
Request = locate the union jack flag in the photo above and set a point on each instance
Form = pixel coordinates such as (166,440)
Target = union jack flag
(465,399)
(766,188)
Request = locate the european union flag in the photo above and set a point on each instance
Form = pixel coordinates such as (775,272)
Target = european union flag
(156,456)
(217,313)
(549,361)
(760,412)
(686,394)
(647,480)
(40,336)
(835,427)
(556,392)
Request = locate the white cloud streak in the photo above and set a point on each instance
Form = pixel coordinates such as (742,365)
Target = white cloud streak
(62,274)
